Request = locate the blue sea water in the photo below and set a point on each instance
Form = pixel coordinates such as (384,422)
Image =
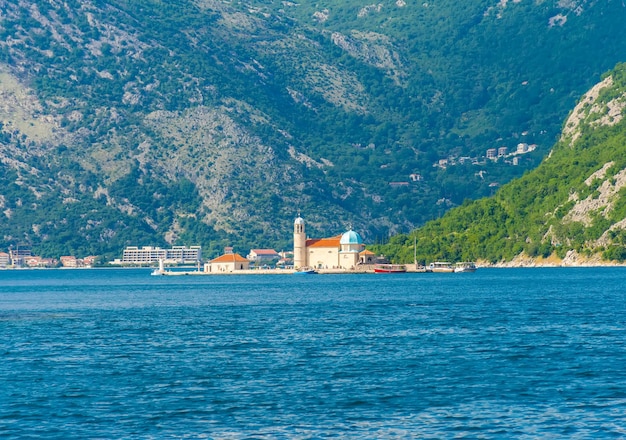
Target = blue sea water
(501,353)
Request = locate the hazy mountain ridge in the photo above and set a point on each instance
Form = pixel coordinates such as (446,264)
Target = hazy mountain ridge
(256,110)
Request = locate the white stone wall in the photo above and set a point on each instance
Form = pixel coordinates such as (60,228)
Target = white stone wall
(323,257)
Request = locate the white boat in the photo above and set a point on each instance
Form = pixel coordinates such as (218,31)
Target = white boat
(466,266)
(305,271)
(441,267)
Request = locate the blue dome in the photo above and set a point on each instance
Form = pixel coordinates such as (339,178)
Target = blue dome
(351,237)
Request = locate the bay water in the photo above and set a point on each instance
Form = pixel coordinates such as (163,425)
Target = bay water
(500,353)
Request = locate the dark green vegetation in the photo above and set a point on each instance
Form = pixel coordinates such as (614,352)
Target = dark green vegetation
(574,201)
(213,123)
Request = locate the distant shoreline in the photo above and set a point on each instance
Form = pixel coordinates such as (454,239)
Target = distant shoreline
(534,264)
(572,259)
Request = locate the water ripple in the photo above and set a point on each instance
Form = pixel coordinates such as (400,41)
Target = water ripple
(505,353)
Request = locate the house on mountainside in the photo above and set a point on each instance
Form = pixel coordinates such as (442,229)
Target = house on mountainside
(398,184)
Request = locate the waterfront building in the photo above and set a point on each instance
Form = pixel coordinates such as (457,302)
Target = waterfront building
(339,252)
(151,255)
(228,262)
(90,260)
(33,261)
(4,259)
(69,261)
(184,254)
(19,255)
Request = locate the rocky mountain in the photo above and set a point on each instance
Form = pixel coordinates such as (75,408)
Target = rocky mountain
(214,122)
(571,210)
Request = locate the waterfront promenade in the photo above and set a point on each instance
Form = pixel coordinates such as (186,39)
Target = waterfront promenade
(368,268)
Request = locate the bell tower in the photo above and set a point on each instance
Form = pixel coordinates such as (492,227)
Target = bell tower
(299,243)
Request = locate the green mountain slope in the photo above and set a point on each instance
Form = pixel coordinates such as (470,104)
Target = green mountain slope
(213,123)
(572,207)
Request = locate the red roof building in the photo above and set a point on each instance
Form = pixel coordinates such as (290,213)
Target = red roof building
(229,262)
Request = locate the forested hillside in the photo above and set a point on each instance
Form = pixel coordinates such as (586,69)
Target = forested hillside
(571,208)
(206,122)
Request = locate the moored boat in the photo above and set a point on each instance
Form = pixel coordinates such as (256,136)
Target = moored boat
(441,267)
(389,268)
(305,271)
(467,266)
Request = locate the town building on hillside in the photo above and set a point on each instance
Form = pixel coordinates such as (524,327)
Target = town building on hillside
(228,262)
(398,184)
(263,255)
(151,255)
(4,259)
(341,251)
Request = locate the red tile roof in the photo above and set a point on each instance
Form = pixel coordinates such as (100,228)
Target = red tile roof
(230,258)
(264,251)
(332,242)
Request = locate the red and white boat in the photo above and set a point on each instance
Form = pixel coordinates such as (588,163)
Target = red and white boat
(389,268)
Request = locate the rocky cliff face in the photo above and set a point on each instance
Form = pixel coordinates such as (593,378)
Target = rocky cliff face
(591,222)
(569,211)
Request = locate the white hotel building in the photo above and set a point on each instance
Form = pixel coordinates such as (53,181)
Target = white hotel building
(150,255)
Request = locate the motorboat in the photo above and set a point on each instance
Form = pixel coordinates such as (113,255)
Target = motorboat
(305,271)
(389,268)
(466,266)
(441,267)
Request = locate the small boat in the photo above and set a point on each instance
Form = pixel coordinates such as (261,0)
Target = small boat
(467,266)
(389,268)
(305,271)
(441,267)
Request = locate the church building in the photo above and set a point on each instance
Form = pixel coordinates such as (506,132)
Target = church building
(339,252)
